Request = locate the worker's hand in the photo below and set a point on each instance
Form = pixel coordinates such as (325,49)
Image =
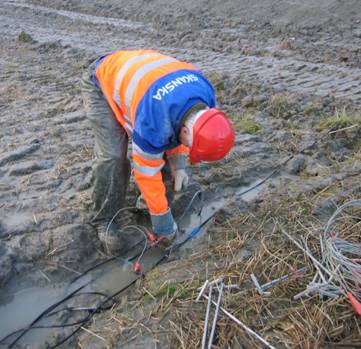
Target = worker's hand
(164,224)
(181,179)
(177,164)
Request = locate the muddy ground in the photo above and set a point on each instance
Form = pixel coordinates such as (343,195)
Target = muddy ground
(285,71)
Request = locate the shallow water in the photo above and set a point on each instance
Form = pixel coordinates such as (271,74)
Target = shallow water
(26,305)
(21,308)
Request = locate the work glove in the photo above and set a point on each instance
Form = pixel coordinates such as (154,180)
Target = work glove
(181,179)
(177,164)
(164,224)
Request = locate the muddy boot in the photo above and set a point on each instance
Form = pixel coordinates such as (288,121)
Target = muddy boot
(166,241)
(110,236)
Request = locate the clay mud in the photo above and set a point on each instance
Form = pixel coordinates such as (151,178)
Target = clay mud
(288,76)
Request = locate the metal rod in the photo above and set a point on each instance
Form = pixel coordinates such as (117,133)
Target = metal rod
(240,323)
(270,284)
(215,317)
(231,287)
(258,286)
(202,290)
(216,281)
(256,283)
(314,260)
(205,329)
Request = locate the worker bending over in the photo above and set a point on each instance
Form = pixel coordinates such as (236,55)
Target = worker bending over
(168,109)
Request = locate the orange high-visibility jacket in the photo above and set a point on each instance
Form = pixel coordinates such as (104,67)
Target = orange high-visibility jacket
(149,94)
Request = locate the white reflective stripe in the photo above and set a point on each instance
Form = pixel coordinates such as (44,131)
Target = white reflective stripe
(147,156)
(123,70)
(147,170)
(127,121)
(128,127)
(139,75)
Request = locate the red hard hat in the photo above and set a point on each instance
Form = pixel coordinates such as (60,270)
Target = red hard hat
(213,137)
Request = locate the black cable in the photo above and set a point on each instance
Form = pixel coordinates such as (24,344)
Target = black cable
(71,295)
(97,309)
(108,259)
(75,309)
(44,313)
(90,310)
(74,293)
(166,255)
(105,261)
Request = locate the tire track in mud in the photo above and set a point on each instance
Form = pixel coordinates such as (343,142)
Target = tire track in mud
(46,155)
(284,74)
(295,76)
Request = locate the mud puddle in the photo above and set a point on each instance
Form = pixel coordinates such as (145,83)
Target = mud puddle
(91,290)
(202,208)
(77,301)
(24,306)
(86,293)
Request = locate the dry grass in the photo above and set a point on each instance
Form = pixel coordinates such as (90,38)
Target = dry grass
(247,124)
(340,120)
(164,311)
(279,106)
(309,323)
(284,322)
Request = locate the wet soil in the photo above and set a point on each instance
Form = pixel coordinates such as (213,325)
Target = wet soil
(285,67)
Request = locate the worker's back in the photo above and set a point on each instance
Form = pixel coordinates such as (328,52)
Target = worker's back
(150,93)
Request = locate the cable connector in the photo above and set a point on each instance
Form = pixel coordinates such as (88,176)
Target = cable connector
(152,238)
(137,267)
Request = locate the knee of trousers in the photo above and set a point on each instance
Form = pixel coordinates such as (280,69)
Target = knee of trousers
(110,166)
(116,156)
(111,148)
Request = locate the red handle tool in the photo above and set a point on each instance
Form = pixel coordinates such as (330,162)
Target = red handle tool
(355,303)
